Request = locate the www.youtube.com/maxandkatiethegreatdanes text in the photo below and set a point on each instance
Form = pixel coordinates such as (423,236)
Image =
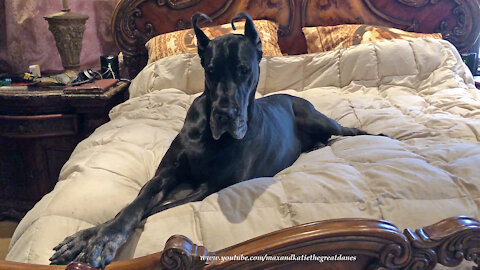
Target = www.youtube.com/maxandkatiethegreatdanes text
(291,257)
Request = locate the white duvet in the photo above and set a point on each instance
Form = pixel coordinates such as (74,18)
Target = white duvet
(418,92)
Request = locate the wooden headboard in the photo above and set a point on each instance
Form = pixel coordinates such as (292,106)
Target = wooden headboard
(136,21)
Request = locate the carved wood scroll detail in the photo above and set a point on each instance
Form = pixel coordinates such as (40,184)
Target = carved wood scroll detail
(133,23)
(181,253)
(447,242)
(136,21)
(418,3)
(377,245)
(461,27)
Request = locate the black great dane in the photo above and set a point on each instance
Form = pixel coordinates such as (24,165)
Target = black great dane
(228,137)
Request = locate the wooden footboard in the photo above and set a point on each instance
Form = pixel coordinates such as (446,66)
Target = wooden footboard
(351,243)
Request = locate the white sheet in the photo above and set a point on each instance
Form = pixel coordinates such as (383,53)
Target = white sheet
(418,92)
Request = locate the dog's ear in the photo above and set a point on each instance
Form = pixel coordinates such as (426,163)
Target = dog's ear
(202,39)
(250,30)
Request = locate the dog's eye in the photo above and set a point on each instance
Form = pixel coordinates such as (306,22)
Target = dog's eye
(244,70)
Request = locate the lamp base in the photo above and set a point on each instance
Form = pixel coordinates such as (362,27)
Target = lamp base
(67,29)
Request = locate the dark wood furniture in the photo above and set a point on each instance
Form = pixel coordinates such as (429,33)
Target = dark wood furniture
(375,244)
(368,244)
(39,128)
(136,21)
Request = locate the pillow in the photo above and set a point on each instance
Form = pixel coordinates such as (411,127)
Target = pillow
(327,38)
(184,41)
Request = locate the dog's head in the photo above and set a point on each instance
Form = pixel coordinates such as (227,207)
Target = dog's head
(231,64)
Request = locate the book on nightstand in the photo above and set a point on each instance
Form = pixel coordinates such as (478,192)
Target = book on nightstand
(96,87)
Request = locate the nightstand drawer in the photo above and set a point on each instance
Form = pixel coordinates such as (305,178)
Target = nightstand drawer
(39,130)
(38,126)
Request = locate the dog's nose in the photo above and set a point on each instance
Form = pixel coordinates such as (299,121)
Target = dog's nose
(223,115)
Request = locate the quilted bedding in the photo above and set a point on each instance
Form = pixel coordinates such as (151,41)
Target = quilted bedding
(417,91)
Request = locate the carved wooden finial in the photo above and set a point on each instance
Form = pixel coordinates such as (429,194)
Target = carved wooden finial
(180,253)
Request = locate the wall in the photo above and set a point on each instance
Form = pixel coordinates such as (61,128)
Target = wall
(26,40)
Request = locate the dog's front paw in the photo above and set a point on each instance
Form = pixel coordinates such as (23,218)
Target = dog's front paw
(96,246)
(101,248)
(68,250)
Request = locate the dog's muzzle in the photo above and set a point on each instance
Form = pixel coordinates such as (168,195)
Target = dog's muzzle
(228,120)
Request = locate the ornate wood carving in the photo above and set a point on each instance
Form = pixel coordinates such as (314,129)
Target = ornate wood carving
(375,244)
(411,25)
(136,21)
(181,253)
(460,26)
(418,3)
(447,242)
(127,37)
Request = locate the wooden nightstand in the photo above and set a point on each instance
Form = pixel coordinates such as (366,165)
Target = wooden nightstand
(39,129)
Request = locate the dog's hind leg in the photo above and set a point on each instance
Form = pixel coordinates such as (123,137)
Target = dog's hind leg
(315,128)
(312,121)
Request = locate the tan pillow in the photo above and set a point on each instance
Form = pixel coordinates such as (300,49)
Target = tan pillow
(184,41)
(327,38)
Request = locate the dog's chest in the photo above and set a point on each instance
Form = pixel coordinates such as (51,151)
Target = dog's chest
(219,165)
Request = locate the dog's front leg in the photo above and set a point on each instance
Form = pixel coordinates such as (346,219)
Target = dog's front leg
(97,246)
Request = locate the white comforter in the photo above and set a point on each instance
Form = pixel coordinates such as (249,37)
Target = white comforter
(418,92)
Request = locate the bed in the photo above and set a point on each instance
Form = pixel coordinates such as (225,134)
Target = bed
(407,201)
